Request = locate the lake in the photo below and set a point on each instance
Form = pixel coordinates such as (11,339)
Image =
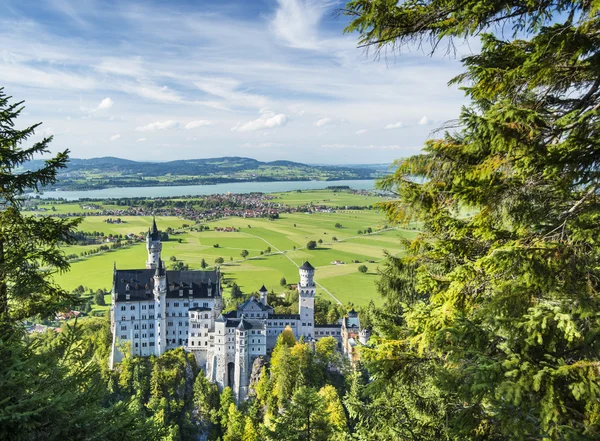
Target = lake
(198,190)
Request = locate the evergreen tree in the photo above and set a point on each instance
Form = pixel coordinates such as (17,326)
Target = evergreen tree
(235,424)
(336,416)
(250,432)
(29,246)
(226,400)
(304,419)
(490,323)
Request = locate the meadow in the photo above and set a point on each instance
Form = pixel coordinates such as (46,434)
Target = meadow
(286,237)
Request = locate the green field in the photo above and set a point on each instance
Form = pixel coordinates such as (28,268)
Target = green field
(326,197)
(287,238)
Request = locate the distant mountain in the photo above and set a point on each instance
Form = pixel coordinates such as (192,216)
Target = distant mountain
(109,171)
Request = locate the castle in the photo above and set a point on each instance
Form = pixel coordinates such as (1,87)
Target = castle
(154,310)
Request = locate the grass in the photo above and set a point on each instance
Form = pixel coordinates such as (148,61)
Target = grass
(286,236)
(326,197)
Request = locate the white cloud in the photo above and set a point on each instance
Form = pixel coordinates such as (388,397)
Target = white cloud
(140,140)
(262,145)
(268,120)
(198,123)
(227,89)
(296,22)
(131,67)
(397,125)
(323,121)
(364,147)
(361,131)
(158,125)
(115,137)
(424,121)
(106,103)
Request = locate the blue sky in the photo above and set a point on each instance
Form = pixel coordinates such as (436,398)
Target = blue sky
(188,79)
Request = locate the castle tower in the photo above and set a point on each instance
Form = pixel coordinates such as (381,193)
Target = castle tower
(263,295)
(306,299)
(240,381)
(154,246)
(160,309)
(220,365)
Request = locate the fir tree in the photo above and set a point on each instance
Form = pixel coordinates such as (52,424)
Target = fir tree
(490,324)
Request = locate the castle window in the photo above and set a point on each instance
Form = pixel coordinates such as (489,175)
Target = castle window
(150,306)
(181,293)
(123,328)
(123,337)
(143,306)
(136,326)
(168,304)
(136,345)
(144,345)
(132,307)
(205,316)
(151,316)
(185,305)
(137,336)
(180,314)
(143,325)
(144,316)
(195,304)
(123,307)
(205,304)
(133,317)
(151,334)
(176,304)
(151,343)
(144,335)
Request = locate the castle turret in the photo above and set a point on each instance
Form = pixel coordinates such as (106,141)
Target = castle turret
(241,373)
(262,292)
(153,245)
(306,299)
(160,311)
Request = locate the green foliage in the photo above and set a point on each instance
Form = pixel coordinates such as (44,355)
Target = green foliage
(236,292)
(51,390)
(99,298)
(490,323)
(363,269)
(311,245)
(304,419)
(29,246)
(244,254)
(283,281)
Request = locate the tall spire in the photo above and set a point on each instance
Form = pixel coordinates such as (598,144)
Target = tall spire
(160,269)
(154,233)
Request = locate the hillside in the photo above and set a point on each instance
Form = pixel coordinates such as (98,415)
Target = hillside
(106,172)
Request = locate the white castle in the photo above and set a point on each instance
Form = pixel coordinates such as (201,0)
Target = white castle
(154,310)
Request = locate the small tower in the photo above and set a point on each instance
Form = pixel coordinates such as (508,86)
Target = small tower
(240,381)
(263,295)
(306,299)
(160,309)
(153,245)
